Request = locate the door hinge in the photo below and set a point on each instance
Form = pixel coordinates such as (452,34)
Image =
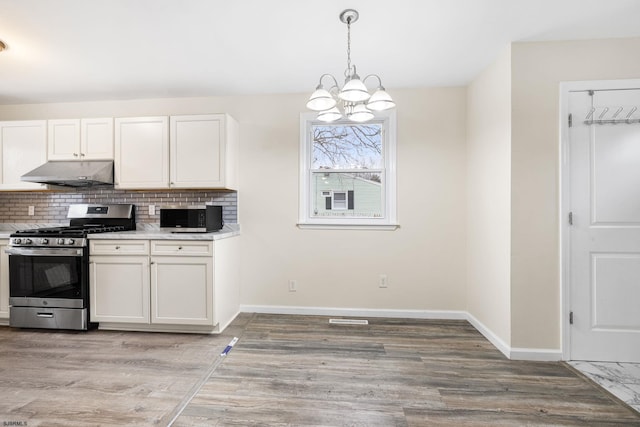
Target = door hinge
(571,317)
(570,120)
(570,218)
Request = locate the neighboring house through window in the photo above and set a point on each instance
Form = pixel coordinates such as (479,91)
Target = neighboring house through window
(347,173)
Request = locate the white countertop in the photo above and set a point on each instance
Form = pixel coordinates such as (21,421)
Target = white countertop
(229,230)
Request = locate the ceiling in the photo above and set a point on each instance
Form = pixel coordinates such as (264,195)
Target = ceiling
(79,50)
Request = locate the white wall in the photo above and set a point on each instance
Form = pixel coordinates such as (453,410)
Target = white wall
(340,268)
(537,70)
(489,197)
(424,259)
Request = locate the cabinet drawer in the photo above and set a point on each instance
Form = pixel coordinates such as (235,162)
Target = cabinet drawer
(119,247)
(181,248)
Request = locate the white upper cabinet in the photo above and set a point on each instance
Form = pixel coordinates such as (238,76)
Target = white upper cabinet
(81,139)
(64,139)
(203,151)
(23,147)
(196,151)
(96,138)
(141,152)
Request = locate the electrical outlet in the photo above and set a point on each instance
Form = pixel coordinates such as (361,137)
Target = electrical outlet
(293,285)
(152,209)
(32,210)
(383,281)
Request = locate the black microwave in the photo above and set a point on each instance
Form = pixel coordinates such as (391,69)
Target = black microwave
(191,219)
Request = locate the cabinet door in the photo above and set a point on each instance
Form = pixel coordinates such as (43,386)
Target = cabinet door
(182,290)
(4,280)
(141,152)
(64,140)
(119,289)
(96,139)
(23,147)
(198,151)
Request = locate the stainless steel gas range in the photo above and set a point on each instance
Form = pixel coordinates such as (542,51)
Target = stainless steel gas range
(49,267)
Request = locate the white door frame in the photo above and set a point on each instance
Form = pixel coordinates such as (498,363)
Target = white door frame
(565,196)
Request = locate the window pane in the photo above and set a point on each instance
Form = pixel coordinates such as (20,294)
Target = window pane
(339,200)
(352,195)
(341,146)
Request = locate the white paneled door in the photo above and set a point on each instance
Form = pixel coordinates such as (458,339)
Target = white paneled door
(604,161)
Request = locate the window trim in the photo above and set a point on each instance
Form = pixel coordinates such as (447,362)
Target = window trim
(389,220)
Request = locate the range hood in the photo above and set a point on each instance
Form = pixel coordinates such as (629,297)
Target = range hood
(68,173)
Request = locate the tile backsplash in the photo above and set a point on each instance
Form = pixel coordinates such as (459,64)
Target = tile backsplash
(52,206)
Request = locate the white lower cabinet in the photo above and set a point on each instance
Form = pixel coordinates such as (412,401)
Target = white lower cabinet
(181,290)
(165,284)
(119,281)
(4,281)
(119,288)
(182,282)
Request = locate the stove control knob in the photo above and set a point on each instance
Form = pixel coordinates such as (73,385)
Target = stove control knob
(44,241)
(60,241)
(69,242)
(17,241)
(27,241)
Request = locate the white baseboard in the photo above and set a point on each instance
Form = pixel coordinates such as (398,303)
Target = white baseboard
(354,312)
(533,354)
(489,335)
(536,354)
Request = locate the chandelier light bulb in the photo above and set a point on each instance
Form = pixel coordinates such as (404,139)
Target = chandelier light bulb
(330,115)
(360,113)
(354,90)
(321,100)
(380,101)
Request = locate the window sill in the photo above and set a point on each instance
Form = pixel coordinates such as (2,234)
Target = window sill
(383,227)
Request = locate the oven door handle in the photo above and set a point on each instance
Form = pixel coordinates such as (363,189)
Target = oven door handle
(44,251)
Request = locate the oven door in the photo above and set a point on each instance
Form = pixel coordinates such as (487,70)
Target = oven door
(48,277)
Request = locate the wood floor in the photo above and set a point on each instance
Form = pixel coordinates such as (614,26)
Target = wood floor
(291,371)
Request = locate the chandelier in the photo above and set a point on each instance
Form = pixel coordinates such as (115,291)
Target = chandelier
(353,99)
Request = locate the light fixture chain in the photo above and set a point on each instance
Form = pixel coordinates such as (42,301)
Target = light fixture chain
(349,47)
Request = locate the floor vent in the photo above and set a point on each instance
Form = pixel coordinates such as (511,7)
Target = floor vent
(348,322)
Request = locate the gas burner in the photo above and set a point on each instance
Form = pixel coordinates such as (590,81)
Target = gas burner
(84,220)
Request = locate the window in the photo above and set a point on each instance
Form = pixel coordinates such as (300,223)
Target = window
(339,200)
(347,173)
